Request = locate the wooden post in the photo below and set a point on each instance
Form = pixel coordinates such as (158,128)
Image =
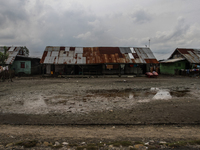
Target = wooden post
(82,70)
(103,71)
(119,70)
(10,75)
(42,69)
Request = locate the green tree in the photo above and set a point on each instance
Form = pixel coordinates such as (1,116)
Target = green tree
(3,57)
(26,51)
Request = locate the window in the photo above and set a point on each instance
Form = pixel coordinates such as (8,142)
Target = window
(22,64)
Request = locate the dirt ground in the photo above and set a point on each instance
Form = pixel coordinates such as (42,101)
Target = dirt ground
(141,100)
(130,104)
(97,134)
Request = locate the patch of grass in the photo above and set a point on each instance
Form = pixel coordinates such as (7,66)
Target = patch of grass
(138,142)
(116,144)
(183,143)
(197,142)
(126,143)
(92,148)
(80,147)
(101,144)
(72,145)
(91,144)
(20,143)
(57,146)
(152,147)
(177,144)
(28,144)
(194,142)
(122,143)
(132,148)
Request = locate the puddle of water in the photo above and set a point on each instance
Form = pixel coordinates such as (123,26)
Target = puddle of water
(154,89)
(163,94)
(126,93)
(130,96)
(152,93)
(180,93)
(97,100)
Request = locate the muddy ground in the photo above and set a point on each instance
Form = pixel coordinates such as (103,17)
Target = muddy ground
(102,102)
(141,100)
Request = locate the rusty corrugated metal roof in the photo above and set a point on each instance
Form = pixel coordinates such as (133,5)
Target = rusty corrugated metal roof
(97,55)
(13,52)
(192,55)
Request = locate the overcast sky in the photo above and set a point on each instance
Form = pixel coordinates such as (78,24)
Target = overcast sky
(39,23)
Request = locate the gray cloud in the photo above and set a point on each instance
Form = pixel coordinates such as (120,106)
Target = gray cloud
(141,16)
(13,11)
(176,36)
(38,24)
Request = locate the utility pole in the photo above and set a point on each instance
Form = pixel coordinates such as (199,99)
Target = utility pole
(149,43)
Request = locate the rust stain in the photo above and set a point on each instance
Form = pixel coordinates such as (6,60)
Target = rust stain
(113,60)
(110,50)
(151,61)
(185,51)
(191,55)
(75,57)
(133,60)
(54,60)
(98,55)
(72,49)
(135,55)
(62,48)
(43,57)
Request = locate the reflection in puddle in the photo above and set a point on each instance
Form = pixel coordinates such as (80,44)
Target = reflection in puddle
(126,93)
(98,100)
(130,96)
(154,89)
(139,94)
(162,94)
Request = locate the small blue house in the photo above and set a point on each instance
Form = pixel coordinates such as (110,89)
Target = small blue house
(19,61)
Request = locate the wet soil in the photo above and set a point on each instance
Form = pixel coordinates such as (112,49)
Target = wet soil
(100,101)
(98,104)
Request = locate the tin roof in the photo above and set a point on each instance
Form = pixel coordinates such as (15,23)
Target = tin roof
(97,55)
(172,60)
(192,55)
(13,52)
